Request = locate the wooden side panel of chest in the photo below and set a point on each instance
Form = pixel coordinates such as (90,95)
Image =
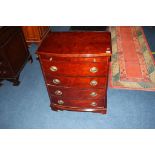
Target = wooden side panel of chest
(76,81)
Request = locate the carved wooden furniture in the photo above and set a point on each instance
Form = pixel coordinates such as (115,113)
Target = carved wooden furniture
(35,34)
(13,53)
(75,67)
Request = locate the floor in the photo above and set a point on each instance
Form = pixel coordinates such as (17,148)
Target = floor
(27,106)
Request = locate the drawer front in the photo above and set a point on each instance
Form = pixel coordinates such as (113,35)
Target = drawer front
(75,69)
(79,103)
(62,92)
(49,57)
(78,82)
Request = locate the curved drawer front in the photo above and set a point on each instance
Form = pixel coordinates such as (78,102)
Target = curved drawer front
(75,69)
(79,103)
(49,57)
(62,92)
(78,82)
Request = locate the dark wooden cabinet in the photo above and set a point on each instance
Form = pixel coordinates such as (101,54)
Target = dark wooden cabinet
(75,66)
(35,34)
(13,53)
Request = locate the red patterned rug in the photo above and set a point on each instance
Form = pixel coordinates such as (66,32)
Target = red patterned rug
(132,65)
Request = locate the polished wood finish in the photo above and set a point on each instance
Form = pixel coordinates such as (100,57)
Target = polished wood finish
(77,93)
(13,53)
(35,34)
(77,44)
(77,82)
(84,103)
(75,66)
(57,107)
(70,58)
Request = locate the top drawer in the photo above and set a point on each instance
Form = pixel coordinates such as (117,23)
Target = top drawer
(64,68)
(50,57)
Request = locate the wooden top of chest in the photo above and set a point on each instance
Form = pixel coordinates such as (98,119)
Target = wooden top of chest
(76,44)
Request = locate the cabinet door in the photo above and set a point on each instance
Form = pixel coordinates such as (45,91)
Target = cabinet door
(16,51)
(35,33)
(31,33)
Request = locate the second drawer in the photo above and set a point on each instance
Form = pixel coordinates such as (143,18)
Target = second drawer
(78,82)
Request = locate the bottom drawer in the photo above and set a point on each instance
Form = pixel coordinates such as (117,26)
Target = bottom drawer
(79,103)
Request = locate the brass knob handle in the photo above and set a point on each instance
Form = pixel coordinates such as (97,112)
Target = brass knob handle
(93,83)
(93,94)
(58,92)
(0,63)
(93,104)
(60,102)
(93,69)
(56,81)
(51,59)
(53,68)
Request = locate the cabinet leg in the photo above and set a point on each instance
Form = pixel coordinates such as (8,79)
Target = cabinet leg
(30,59)
(54,108)
(15,81)
(1,82)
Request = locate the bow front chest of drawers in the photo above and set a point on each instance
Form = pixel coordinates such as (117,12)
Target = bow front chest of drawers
(75,67)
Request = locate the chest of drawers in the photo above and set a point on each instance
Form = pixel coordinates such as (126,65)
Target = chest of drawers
(75,67)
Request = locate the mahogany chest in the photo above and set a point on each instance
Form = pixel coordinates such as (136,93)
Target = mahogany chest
(75,67)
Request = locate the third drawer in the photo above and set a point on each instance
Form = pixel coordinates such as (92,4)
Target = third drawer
(75,93)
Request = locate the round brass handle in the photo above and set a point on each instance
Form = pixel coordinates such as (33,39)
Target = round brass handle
(56,81)
(53,68)
(93,94)
(58,92)
(0,63)
(60,102)
(93,69)
(93,83)
(93,104)
(51,59)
